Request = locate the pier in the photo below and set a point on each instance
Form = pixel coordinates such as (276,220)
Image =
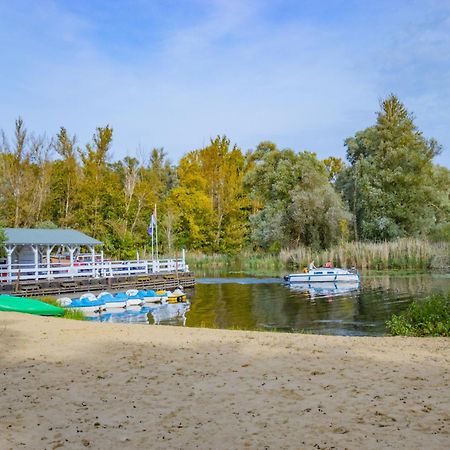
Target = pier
(33,267)
(41,287)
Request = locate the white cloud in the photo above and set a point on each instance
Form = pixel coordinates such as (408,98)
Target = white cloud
(232,70)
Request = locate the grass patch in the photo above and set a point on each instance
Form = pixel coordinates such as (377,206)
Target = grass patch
(430,317)
(69,313)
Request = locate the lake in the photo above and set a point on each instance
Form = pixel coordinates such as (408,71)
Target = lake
(239,301)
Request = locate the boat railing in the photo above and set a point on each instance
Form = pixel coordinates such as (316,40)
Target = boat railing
(95,269)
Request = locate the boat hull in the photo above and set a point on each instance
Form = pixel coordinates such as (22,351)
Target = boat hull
(177,298)
(87,308)
(155,299)
(115,304)
(29,306)
(324,276)
(138,301)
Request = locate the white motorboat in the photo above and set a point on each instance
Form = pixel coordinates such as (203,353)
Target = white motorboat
(324,274)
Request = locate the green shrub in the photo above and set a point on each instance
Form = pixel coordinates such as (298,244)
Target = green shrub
(430,317)
(74,314)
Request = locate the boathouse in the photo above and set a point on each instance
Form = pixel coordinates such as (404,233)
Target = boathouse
(34,249)
(58,258)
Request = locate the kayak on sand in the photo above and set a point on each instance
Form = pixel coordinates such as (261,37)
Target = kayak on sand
(29,306)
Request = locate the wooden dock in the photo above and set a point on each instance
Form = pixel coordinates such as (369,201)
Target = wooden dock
(61,286)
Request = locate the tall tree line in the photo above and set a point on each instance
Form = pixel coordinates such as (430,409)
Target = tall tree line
(220,199)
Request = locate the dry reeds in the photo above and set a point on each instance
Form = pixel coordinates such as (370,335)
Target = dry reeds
(405,253)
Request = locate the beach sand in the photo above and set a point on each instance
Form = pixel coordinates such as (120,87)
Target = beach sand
(69,384)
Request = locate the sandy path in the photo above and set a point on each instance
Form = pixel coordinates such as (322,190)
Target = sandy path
(69,384)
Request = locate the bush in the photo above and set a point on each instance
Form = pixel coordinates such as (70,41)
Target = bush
(430,317)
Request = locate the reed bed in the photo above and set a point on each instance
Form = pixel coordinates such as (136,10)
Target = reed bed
(250,262)
(399,254)
(405,253)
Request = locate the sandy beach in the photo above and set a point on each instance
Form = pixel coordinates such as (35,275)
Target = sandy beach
(70,384)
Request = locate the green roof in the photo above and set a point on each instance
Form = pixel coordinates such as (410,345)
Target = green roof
(40,236)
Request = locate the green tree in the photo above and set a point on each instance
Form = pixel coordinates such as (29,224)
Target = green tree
(65,177)
(293,199)
(98,196)
(2,243)
(390,184)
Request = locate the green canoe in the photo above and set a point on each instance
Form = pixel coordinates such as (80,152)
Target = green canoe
(27,305)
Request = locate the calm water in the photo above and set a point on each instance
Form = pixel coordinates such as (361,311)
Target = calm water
(267,303)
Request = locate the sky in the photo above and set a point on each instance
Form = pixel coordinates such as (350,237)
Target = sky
(304,74)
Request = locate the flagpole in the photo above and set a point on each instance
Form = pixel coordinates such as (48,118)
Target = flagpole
(152,245)
(156,231)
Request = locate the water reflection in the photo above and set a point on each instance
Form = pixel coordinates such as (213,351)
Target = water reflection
(328,290)
(251,303)
(167,314)
(267,303)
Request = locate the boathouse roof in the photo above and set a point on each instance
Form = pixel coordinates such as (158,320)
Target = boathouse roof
(41,236)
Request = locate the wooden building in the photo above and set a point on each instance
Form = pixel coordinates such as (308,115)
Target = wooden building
(38,255)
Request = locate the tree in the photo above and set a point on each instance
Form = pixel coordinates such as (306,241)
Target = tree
(209,202)
(334,167)
(2,243)
(25,176)
(389,185)
(65,178)
(294,202)
(98,196)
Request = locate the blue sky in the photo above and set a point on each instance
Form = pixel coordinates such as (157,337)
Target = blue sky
(172,74)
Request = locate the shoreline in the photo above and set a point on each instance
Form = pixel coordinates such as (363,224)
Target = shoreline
(71,384)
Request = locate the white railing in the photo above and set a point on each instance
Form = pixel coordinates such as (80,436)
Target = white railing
(90,269)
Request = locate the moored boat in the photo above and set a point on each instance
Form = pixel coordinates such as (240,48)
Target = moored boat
(87,302)
(152,296)
(324,274)
(176,296)
(134,297)
(113,301)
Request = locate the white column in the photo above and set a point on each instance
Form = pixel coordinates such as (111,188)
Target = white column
(36,261)
(9,251)
(48,261)
(49,250)
(71,252)
(92,249)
